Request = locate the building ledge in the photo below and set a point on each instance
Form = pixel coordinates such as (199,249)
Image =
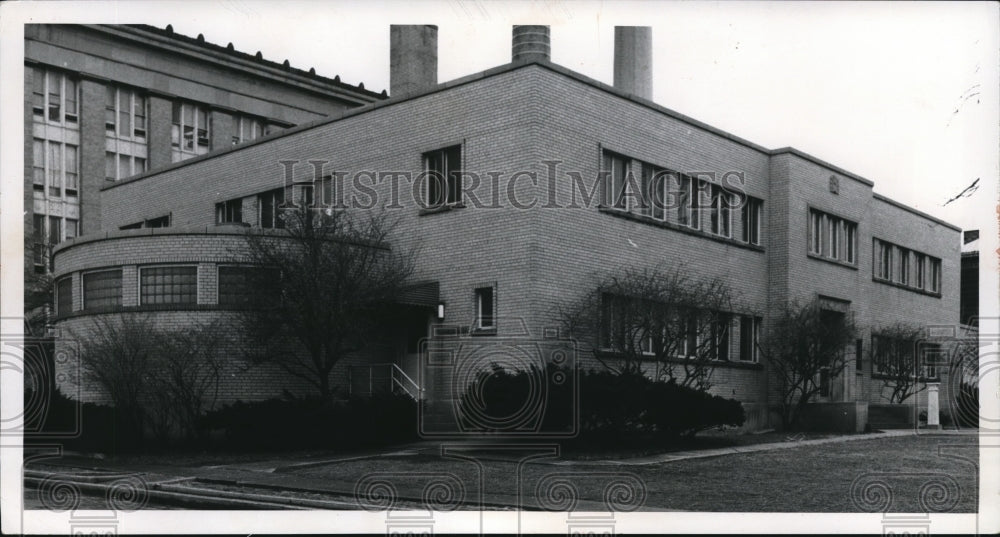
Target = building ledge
(621,213)
(919,291)
(832,261)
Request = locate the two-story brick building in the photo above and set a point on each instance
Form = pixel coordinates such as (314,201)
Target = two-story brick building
(543,208)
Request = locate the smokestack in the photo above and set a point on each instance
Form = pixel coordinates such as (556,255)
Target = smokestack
(530,43)
(413,61)
(634,60)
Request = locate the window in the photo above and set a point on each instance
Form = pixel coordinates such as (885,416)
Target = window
(832,237)
(246,128)
(235,285)
(57,165)
(934,275)
(444,178)
(858,355)
(125,113)
(903,276)
(688,202)
(40,246)
(906,267)
(64,296)
(168,285)
(883,256)
(749,338)
(269,205)
(751,220)
(485,312)
(720,210)
(824,382)
(119,165)
(56,93)
(720,336)
(190,133)
(229,212)
(816,232)
(617,169)
(850,242)
(655,182)
(102,289)
(162,221)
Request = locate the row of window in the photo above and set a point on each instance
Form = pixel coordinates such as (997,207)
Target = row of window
(677,198)
(904,357)
(712,340)
(268,209)
(833,237)
(906,267)
(49,231)
(175,284)
(57,165)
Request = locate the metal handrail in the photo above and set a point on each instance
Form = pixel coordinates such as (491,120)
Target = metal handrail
(394,369)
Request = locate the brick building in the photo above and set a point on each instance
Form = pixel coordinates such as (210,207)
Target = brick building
(103,103)
(543,208)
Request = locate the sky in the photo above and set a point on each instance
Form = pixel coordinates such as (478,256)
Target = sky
(904,94)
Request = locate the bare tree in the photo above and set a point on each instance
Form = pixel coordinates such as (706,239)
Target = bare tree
(120,355)
(322,288)
(188,375)
(675,321)
(894,357)
(804,340)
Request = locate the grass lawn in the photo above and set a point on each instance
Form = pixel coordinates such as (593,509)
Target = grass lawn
(814,478)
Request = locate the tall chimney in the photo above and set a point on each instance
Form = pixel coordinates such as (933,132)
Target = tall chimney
(413,61)
(530,43)
(634,60)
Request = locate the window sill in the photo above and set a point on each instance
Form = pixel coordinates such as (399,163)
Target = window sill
(881,376)
(906,287)
(649,220)
(483,332)
(441,209)
(730,364)
(832,261)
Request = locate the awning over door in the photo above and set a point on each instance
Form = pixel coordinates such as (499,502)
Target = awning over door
(426,294)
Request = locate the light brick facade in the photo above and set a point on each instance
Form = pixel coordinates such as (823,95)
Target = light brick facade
(533,117)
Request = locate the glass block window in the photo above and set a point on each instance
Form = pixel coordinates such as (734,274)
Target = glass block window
(102,289)
(168,285)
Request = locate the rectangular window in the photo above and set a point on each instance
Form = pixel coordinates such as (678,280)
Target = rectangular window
(40,248)
(749,338)
(125,113)
(55,164)
(162,221)
(816,232)
(269,204)
(616,170)
(751,220)
(56,93)
(168,285)
(246,128)
(64,296)
(55,230)
(71,229)
(883,256)
(229,212)
(102,289)
(720,336)
(720,211)
(235,285)
(689,202)
(444,178)
(72,167)
(121,166)
(918,270)
(485,308)
(832,237)
(934,275)
(190,133)
(38,164)
(850,242)
(904,266)
(858,355)
(657,183)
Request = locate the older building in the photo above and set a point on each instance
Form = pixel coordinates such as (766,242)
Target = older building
(103,103)
(544,167)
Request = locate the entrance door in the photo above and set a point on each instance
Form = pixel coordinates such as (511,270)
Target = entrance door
(832,386)
(416,329)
